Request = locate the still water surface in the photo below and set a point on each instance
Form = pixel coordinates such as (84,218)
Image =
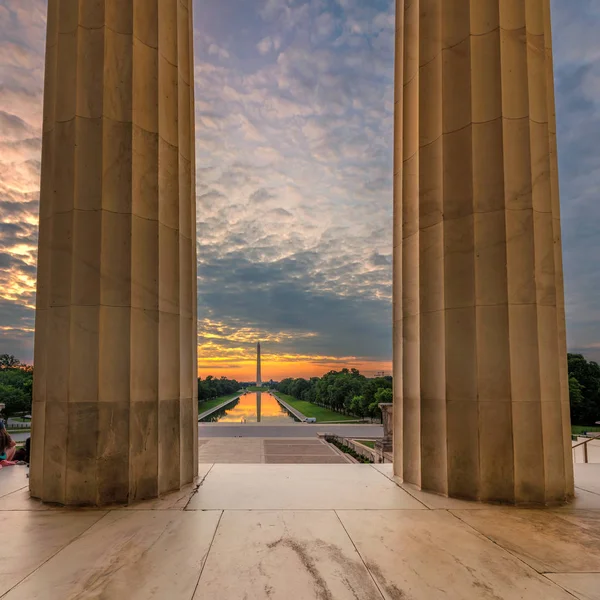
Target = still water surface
(253,407)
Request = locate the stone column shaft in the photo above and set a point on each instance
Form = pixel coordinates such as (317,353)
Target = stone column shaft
(114,412)
(479,325)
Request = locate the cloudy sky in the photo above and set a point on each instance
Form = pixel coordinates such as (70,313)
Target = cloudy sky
(294,105)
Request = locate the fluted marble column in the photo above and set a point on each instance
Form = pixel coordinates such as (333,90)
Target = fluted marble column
(115,410)
(482,408)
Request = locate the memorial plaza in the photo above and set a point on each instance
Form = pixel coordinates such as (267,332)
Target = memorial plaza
(482,500)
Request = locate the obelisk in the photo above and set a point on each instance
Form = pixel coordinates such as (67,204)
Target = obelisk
(258,377)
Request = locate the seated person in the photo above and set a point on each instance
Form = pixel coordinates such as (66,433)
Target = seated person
(7,444)
(22,454)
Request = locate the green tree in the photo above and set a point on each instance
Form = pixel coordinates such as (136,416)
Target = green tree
(584,389)
(14,399)
(357,406)
(576,398)
(8,361)
(213,388)
(285,385)
(374,411)
(298,387)
(344,391)
(384,395)
(16,385)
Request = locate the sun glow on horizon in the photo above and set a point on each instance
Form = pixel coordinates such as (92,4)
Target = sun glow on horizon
(225,350)
(278,367)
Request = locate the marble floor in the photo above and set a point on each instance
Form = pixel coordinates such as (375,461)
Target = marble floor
(278,531)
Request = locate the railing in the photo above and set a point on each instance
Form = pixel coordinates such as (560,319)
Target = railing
(584,443)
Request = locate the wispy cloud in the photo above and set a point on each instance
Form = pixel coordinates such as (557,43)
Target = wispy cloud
(294,149)
(22,36)
(294,154)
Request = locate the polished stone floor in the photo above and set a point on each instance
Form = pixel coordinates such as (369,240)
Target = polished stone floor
(322,532)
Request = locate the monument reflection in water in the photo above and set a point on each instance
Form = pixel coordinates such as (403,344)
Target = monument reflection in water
(253,407)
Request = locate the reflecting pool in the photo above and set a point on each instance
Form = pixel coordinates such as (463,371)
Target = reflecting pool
(253,407)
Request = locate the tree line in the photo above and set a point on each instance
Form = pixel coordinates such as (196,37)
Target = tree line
(211,387)
(16,386)
(584,390)
(345,391)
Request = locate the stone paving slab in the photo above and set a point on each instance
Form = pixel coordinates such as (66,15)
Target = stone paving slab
(231,450)
(299,487)
(540,538)
(303,460)
(299,555)
(307,430)
(258,450)
(33,537)
(126,555)
(12,479)
(588,477)
(585,586)
(307,532)
(431,555)
(298,449)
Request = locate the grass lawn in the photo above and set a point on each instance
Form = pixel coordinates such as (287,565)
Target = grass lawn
(312,410)
(19,430)
(576,429)
(369,443)
(21,420)
(208,404)
(253,388)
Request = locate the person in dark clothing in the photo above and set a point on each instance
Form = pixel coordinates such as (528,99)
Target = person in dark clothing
(22,454)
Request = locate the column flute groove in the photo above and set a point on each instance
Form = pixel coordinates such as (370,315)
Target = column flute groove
(398,216)
(432,367)
(411,452)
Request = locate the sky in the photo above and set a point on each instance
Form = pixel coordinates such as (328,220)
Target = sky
(294,110)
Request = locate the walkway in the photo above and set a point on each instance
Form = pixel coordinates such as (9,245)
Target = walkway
(214,409)
(206,430)
(301,417)
(307,532)
(271,451)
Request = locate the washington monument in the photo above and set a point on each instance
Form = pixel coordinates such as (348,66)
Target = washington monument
(258,377)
